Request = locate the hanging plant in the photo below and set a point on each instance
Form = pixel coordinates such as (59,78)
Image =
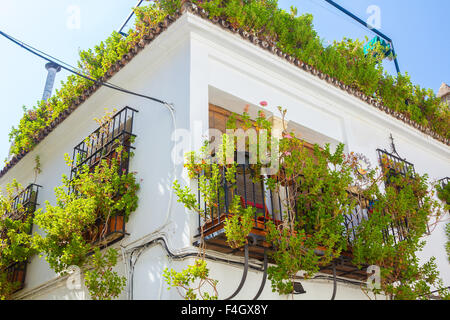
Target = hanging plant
(324,189)
(393,236)
(16,222)
(99,193)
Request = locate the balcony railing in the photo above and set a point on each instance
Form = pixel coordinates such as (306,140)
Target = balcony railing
(24,204)
(272,205)
(102,144)
(394,164)
(23,207)
(443,182)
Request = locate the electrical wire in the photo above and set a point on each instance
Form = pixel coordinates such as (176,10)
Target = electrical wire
(162,241)
(70,69)
(334,281)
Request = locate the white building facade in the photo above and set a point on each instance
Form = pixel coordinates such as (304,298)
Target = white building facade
(193,64)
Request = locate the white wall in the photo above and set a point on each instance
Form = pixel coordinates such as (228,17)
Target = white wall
(190,64)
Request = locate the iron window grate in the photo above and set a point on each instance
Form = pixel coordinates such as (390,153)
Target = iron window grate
(99,145)
(24,205)
(102,143)
(394,164)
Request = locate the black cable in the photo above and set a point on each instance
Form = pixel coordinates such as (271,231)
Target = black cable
(173,256)
(334,281)
(178,257)
(96,81)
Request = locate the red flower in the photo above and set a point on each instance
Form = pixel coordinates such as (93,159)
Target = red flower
(263,103)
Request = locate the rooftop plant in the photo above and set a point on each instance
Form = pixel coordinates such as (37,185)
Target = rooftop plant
(295,35)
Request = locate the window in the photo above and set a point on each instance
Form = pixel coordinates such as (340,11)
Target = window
(23,207)
(269,205)
(393,166)
(102,144)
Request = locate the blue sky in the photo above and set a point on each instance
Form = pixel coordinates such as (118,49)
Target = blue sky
(61,28)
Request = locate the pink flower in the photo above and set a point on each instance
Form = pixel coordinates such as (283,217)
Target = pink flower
(287,153)
(288,136)
(263,103)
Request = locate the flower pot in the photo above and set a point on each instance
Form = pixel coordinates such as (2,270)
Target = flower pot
(116,224)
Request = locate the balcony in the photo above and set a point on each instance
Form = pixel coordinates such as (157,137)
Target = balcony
(23,207)
(102,145)
(271,206)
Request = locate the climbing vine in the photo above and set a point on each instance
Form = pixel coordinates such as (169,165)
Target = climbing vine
(443,193)
(72,227)
(399,220)
(325,189)
(89,208)
(15,236)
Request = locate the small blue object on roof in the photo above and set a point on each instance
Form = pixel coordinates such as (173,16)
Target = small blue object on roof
(368,48)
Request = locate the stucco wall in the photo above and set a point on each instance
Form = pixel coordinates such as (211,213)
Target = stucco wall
(191,64)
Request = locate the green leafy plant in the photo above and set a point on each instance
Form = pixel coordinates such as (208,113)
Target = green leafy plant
(443,193)
(393,236)
(99,193)
(293,34)
(102,282)
(324,188)
(314,212)
(191,282)
(15,235)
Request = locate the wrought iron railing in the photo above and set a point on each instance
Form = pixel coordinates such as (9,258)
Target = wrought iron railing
(443,182)
(24,204)
(272,206)
(394,164)
(397,231)
(23,207)
(102,144)
(268,206)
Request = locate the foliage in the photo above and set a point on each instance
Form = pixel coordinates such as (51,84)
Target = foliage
(447,244)
(312,232)
(443,193)
(294,35)
(393,236)
(15,235)
(195,274)
(71,225)
(324,189)
(102,282)
(211,172)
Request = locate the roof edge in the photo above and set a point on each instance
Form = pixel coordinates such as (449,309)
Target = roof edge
(188,6)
